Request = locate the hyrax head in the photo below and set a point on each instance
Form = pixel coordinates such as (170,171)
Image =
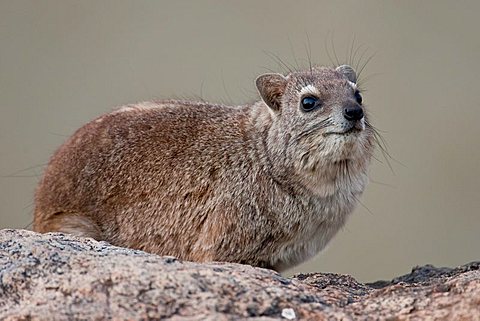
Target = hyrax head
(318,116)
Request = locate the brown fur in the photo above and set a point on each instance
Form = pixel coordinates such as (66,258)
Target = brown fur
(266,186)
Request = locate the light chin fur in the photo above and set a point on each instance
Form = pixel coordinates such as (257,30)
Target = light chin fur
(337,175)
(339,162)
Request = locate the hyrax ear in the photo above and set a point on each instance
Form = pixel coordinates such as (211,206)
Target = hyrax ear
(348,72)
(271,88)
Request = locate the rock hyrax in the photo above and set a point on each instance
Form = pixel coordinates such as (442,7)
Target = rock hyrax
(266,184)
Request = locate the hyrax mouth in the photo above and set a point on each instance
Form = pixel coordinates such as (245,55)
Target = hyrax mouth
(350,131)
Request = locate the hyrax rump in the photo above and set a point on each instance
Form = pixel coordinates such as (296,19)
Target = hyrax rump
(266,184)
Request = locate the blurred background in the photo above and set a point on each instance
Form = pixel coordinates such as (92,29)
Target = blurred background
(65,62)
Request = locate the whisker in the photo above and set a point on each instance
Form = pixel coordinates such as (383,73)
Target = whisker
(309,53)
(270,70)
(28,225)
(334,51)
(230,100)
(328,51)
(360,59)
(354,56)
(201,91)
(377,159)
(363,205)
(365,64)
(293,52)
(383,184)
(364,80)
(16,173)
(351,51)
(383,146)
(322,124)
(276,58)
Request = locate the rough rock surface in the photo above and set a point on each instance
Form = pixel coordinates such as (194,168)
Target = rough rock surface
(60,277)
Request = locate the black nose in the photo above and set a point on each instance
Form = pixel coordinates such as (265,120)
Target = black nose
(353,113)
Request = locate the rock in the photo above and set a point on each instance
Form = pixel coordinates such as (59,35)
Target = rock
(60,277)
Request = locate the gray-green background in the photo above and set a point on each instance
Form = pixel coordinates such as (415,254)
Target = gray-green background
(62,63)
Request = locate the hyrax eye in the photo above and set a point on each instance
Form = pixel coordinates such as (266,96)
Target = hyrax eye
(309,103)
(358,97)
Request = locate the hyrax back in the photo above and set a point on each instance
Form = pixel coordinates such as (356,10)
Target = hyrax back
(267,184)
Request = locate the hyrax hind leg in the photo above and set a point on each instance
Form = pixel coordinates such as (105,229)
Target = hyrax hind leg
(70,223)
